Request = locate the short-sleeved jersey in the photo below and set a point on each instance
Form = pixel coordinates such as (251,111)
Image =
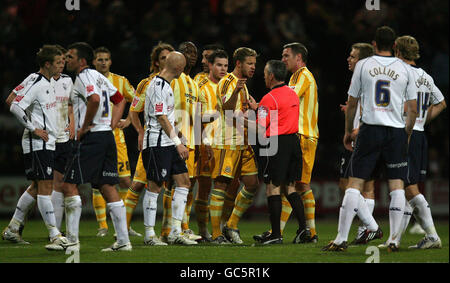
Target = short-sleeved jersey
(37,98)
(159,100)
(89,82)
(278,111)
(304,84)
(228,135)
(123,86)
(139,99)
(30,79)
(200,77)
(208,99)
(383,84)
(63,87)
(186,101)
(427,93)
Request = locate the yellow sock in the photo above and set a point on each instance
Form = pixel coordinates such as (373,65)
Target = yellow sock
(99,204)
(131,202)
(228,206)
(243,201)
(123,193)
(215,210)
(187,211)
(167,212)
(309,205)
(286,210)
(202,214)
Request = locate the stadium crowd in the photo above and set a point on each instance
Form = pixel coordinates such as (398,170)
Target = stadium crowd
(130,29)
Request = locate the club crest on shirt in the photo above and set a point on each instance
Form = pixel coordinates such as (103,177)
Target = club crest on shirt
(159,107)
(90,88)
(135,101)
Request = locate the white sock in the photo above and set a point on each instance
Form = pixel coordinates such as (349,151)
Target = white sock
(46,209)
(119,218)
(407,213)
(58,206)
(370,204)
(178,205)
(365,214)
(73,214)
(150,204)
(25,203)
(424,215)
(347,212)
(396,209)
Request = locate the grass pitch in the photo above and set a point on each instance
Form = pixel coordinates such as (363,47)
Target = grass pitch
(36,233)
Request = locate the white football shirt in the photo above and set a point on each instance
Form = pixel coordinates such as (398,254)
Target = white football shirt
(37,98)
(381,83)
(159,100)
(87,83)
(427,93)
(63,87)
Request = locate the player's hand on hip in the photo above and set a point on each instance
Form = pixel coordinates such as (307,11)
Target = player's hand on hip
(348,141)
(82,132)
(123,123)
(41,133)
(183,151)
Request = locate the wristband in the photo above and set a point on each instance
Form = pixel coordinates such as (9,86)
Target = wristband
(176,140)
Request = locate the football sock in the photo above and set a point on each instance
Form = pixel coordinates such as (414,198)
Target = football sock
(228,206)
(243,201)
(407,213)
(215,210)
(58,206)
(396,208)
(99,204)
(187,211)
(131,202)
(167,212)
(202,214)
(178,207)
(286,210)
(365,215)
(150,204)
(274,205)
(297,208)
(46,209)
(424,215)
(119,219)
(370,205)
(309,205)
(73,214)
(122,193)
(25,203)
(347,212)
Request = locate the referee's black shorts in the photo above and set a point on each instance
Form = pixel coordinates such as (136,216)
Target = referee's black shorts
(285,166)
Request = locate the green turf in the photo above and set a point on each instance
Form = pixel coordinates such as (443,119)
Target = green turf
(36,233)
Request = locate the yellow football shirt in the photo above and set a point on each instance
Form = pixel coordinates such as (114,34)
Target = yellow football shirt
(231,135)
(186,95)
(304,84)
(139,99)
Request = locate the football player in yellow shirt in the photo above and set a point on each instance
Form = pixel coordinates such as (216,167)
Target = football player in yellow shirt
(234,157)
(218,67)
(102,62)
(158,58)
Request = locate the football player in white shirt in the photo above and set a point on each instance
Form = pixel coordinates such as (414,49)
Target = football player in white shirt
(95,160)
(430,102)
(65,125)
(358,52)
(35,106)
(163,153)
(382,82)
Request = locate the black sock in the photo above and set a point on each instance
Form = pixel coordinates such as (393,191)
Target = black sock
(297,209)
(274,204)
